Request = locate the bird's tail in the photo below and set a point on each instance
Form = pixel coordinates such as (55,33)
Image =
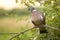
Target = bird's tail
(43,30)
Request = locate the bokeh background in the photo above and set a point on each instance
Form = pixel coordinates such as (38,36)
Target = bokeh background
(15,18)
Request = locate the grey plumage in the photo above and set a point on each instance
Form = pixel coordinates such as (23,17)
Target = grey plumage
(31,8)
(38,19)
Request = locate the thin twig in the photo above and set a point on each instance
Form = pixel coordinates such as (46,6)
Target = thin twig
(1,33)
(21,33)
(31,29)
(57,29)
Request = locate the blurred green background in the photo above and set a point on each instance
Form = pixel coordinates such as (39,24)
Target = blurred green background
(18,20)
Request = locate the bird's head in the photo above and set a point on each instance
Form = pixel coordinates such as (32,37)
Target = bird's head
(31,8)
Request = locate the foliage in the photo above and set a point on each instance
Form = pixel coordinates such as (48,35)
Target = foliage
(52,12)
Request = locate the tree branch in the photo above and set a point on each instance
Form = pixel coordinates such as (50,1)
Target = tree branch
(33,28)
(1,33)
(21,33)
(57,29)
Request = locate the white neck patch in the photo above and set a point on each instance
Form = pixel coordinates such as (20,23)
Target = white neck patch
(34,10)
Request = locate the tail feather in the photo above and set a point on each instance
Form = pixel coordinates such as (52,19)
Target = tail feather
(43,30)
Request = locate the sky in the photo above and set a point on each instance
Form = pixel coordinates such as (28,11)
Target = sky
(7,4)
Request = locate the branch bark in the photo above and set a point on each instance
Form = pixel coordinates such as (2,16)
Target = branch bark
(7,33)
(33,28)
(57,29)
(21,33)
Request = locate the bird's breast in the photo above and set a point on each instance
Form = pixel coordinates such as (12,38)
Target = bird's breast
(35,16)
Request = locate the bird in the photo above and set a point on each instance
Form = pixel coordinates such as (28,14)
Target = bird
(38,19)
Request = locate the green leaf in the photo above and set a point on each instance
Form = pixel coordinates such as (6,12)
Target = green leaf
(16,1)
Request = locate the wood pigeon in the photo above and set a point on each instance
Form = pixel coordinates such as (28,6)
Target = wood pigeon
(38,19)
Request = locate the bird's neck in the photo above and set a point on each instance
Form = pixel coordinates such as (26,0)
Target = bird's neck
(34,10)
